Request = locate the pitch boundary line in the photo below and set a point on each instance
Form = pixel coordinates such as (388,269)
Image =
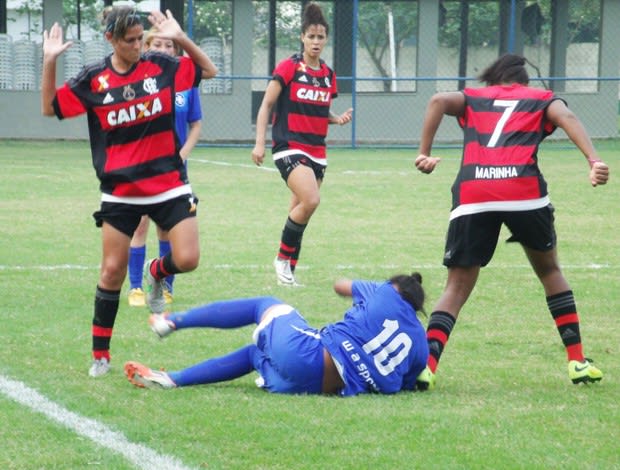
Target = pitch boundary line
(338,267)
(138,454)
(240,165)
(404,172)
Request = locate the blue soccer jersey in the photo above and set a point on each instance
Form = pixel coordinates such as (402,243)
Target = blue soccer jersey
(380,346)
(187,110)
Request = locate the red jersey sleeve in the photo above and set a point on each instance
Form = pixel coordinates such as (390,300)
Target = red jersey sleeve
(67,104)
(284,72)
(188,74)
(334,86)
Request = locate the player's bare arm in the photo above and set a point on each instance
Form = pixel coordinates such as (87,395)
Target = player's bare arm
(274,88)
(53,46)
(560,115)
(168,28)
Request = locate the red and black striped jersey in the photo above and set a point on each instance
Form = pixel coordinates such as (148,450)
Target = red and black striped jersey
(301,115)
(503,126)
(131,123)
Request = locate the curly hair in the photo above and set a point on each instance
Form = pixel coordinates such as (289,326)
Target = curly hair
(313,15)
(509,68)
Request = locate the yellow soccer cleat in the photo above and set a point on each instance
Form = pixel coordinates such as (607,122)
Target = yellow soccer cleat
(426,380)
(136,297)
(167,296)
(583,372)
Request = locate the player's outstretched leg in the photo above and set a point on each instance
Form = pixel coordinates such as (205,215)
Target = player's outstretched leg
(145,377)
(223,314)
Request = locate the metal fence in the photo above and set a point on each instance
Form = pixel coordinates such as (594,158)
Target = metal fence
(379,50)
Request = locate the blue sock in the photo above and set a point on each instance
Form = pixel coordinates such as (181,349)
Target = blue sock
(137,256)
(164,249)
(224,314)
(219,369)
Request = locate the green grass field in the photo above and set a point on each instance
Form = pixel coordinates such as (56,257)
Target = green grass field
(503,398)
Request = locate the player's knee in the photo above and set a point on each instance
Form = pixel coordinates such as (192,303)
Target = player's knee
(314,201)
(187,262)
(112,275)
(310,204)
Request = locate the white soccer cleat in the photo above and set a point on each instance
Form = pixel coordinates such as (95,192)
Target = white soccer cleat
(154,290)
(284,273)
(161,325)
(99,367)
(145,377)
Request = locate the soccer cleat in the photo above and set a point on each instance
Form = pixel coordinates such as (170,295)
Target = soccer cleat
(161,325)
(284,273)
(167,295)
(154,290)
(136,297)
(99,367)
(426,380)
(144,377)
(583,372)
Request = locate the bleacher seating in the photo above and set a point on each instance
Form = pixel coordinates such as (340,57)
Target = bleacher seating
(6,62)
(21,61)
(214,48)
(74,59)
(25,65)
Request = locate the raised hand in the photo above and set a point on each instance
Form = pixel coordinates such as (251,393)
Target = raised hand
(53,44)
(167,27)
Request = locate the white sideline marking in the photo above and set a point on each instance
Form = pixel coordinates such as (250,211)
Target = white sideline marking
(242,165)
(339,267)
(141,456)
(267,168)
(59,267)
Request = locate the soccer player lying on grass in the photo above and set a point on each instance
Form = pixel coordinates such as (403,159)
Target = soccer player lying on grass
(378,347)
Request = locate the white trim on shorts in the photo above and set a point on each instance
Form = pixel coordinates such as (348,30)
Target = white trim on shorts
(143,201)
(500,206)
(274,311)
(287,153)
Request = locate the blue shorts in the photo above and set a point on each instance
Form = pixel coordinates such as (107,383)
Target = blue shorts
(289,357)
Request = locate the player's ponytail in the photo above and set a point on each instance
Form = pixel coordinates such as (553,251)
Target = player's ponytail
(410,288)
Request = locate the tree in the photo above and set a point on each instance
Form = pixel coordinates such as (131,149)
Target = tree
(373,30)
(213,19)
(288,22)
(33,10)
(483,26)
(584,20)
(90,15)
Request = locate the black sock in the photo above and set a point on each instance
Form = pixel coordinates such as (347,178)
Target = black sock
(438,331)
(106,308)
